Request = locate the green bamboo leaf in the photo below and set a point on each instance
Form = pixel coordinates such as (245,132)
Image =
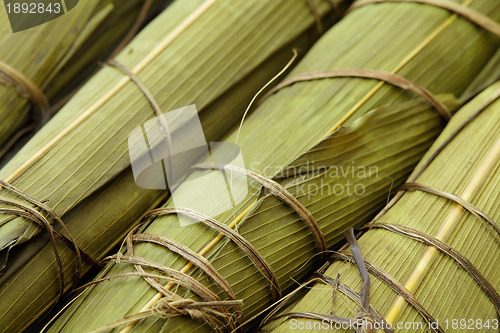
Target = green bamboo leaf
(56,55)
(466,167)
(291,123)
(210,53)
(88,172)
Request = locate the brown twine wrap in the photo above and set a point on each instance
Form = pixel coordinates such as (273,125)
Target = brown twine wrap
(394,284)
(281,193)
(169,308)
(258,260)
(346,290)
(178,277)
(366,312)
(212,307)
(381,274)
(426,161)
(452,197)
(207,315)
(172,305)
(189,255)
(317,278)
(202,311)
(24,86)
(165,129)
(376,74)
(429,240)
(364,266)
(212,311)
(465,263)
(135,79)
(141,18)
(472,15)
(35,216)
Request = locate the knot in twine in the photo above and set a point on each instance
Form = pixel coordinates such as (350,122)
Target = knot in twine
(208,312)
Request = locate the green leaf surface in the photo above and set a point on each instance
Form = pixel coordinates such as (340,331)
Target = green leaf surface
(218,62)
(291,123)
(57,55)
(468,167)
